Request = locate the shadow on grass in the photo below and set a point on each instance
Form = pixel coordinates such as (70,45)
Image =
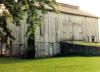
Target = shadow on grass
(7,60)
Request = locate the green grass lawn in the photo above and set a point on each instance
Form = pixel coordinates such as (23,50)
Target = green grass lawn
(61,64)
(86,43)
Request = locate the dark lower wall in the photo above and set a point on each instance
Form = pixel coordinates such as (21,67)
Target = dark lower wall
(68,49)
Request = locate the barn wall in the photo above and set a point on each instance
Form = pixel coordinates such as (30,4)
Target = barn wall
(91,29)
(55,28)
(20,43)
(59,27)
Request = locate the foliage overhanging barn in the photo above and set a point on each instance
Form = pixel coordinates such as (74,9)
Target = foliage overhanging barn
(71,24)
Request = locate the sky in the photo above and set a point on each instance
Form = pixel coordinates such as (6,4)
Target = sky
(91,6)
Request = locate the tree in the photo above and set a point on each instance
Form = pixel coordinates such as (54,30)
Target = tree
(15,9)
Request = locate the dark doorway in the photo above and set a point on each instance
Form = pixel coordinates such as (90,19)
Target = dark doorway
(93,38)
(30,51)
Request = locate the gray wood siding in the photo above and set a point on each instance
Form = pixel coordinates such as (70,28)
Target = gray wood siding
(59,27)
(55,28)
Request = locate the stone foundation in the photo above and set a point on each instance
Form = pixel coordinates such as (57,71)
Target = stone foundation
(68,49)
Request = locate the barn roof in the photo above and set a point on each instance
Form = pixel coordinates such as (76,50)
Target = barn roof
(71,9)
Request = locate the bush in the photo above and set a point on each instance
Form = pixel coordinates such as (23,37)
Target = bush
(29,53)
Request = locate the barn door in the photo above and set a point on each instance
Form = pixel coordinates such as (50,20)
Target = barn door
(77,32)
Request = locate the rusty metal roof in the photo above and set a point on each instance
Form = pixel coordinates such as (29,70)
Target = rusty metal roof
(71,9)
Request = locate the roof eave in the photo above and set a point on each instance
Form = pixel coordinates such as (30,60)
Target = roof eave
(76,14)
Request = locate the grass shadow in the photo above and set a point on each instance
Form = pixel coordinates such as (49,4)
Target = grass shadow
(7,60)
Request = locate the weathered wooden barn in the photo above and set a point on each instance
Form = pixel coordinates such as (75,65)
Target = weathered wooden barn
(71,24)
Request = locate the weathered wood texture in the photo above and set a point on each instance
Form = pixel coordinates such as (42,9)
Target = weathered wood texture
(59,27)
(55,28)
(20,42)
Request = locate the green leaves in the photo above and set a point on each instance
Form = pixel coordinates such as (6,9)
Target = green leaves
(17,9)
(5,32)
